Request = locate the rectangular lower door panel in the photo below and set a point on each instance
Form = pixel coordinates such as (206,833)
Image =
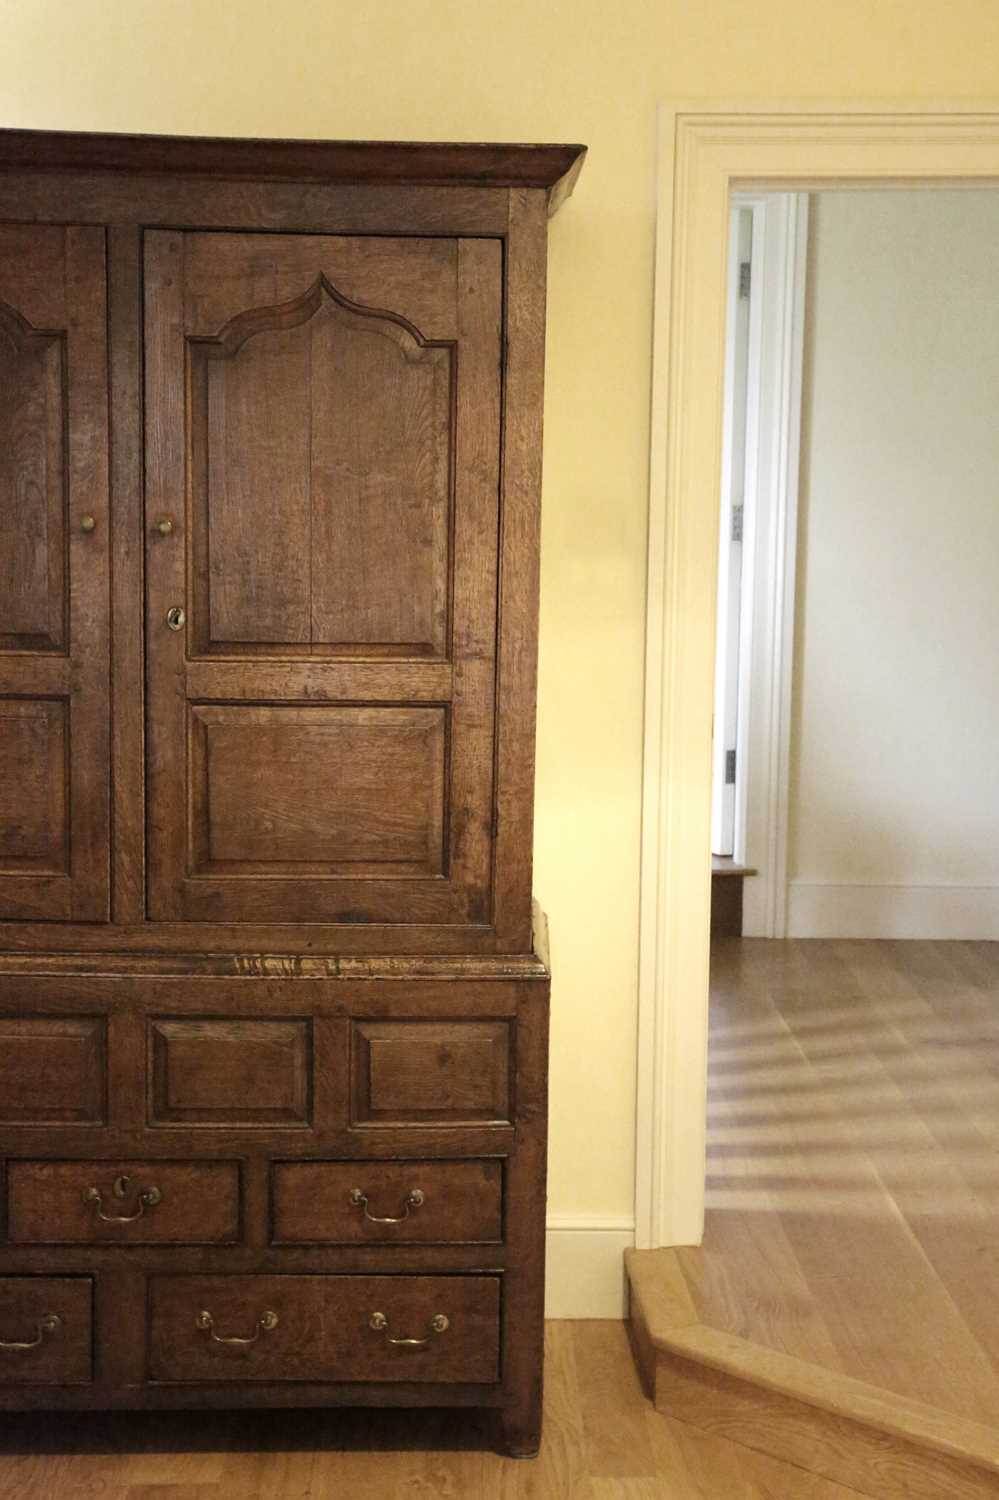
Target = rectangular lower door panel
(316,790)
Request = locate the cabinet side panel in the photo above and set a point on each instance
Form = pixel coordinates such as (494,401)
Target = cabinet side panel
(527,248)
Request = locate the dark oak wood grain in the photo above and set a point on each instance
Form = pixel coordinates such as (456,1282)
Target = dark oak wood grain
(553,167)
(322,1328)
(128,850)
(319,791)
(230,1072)
(273,1034)
(45,1330)
(52,1070)
(54,614)
(395,1203)
(425,1070)
(343,466)
(122,1202)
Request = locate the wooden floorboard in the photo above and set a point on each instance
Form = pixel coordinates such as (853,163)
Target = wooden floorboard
(602,1441)
(853,1162)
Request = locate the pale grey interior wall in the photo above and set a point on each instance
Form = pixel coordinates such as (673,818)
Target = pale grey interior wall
(896,693)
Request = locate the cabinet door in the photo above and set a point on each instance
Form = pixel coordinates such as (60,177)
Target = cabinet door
(54,643)
(322,418)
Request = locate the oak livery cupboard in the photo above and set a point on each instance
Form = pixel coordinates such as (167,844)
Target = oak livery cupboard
(273,1015)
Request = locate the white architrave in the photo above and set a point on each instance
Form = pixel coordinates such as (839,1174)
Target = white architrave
(706,154)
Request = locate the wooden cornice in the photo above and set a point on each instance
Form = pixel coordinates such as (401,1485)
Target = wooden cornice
(433,164)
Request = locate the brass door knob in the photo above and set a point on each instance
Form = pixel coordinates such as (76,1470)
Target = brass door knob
(88,523)
(164,525)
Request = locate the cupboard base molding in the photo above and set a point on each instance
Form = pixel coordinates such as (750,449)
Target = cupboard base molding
(275,1192)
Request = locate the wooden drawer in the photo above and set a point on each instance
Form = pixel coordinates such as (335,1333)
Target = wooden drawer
(387,1202)
(324,1328)
(45,1330)
(425,1072)
(122,1202)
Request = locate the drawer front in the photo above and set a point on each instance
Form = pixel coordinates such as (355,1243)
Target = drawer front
(452,1072)
(122,1202)
(387,1202)
(324,1328)
(52,1070)
(45,1330)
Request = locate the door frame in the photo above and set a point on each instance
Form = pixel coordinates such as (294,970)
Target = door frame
(780,249)
(706,152)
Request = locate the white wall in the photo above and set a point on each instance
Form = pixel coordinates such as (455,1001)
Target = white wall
(894,828)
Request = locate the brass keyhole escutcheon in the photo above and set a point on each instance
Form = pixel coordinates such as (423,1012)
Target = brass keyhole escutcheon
(176,618)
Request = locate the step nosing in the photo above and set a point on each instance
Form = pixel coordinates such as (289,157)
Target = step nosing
(972,1443)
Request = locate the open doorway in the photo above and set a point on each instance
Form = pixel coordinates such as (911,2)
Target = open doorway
(853,1124)
(758,523)
(840,1427)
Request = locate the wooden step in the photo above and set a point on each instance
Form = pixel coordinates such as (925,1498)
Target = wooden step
(883,1445)
(726,896)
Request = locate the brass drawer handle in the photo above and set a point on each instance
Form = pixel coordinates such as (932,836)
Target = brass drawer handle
(148,1198)
(265,1323)
(414,1199)
(51,1323)
(438,1324)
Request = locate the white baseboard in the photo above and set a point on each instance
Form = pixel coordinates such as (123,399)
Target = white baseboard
(585,1268)
(893,911)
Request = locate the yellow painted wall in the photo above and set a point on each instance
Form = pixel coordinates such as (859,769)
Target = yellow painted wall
(577,70)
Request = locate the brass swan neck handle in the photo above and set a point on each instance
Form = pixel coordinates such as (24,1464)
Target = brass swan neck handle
(415,1198)
(439,1323)
(265,1323)
(50,1323)
(147,1198)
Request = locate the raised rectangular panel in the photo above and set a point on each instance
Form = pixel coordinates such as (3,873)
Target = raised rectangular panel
(33,485)
(332,408)
(34,835)
(54,574)
(52,1070)
(49,1322)
(123,1202)
(317,790)
(426,1071)
(321,453)
(230,1072)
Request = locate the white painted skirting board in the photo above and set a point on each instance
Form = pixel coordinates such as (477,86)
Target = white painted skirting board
(893,911)
(585,1270)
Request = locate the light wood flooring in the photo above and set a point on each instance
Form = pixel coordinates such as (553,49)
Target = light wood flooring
(853,1162)
(603,1441)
